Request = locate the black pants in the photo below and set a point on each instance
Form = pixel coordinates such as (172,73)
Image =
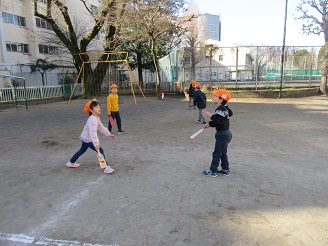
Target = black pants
(116,116)
(222,139)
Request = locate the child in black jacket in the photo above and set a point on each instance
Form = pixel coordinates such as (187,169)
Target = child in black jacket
(200,102)
(220,120)
(191,92)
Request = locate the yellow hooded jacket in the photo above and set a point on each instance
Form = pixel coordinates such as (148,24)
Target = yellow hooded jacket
(112,103)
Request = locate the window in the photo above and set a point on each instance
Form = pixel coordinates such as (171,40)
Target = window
(45,49)
(13,19)
(42,23)
(22,21)
(220,57)
(8,18)
(17,47)
(14,47)
(25,48)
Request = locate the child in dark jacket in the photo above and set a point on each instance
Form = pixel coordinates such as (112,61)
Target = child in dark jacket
(200,102)
(191,92)
(220,120)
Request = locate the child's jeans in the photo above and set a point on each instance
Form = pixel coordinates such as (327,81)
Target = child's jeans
(83,149)
(116,116)
(191,101)
(201,117)
(222,139)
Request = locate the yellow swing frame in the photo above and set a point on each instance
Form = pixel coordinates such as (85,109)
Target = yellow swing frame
(88,58)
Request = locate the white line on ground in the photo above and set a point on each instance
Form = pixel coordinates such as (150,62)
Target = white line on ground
(64,209)
(61,212)
(23,239)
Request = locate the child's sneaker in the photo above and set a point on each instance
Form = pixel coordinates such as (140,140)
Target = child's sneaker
(69,164)
(210,173)
(224,172)
(121,132)
(198,121)
(108,170)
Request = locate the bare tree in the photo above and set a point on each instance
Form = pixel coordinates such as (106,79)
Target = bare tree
(266,58)
(301,59)
(105,18)
(42,67)
(315,13)
(193,39)
(49,37)
(154,20)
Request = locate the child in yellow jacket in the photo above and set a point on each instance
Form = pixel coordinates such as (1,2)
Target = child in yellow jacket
(112,109)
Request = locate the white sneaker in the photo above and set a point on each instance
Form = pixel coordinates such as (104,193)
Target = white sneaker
(69,164)
(109,170)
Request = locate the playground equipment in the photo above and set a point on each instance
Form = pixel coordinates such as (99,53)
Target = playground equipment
(95,57)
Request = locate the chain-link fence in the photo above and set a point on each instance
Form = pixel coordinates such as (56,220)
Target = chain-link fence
(243,65)
(237,66)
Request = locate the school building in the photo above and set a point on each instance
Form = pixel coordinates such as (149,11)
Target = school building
(25,38)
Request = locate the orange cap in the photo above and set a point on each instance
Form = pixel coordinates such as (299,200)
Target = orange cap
(224,94)
(198,86)
(87,106)
(193,82)
(113,86)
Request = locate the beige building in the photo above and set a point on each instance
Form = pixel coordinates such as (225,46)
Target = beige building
(25,38)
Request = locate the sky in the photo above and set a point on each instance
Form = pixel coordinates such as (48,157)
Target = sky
(259,22)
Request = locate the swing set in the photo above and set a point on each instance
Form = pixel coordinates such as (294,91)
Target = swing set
(95,57)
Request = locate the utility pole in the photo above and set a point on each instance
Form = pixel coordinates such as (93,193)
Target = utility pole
(283,53)
(211,54)
(210,47)
(237,57)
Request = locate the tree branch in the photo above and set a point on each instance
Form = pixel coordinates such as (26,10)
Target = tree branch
(67,20)
(98,25)
(52,22)
(86,7)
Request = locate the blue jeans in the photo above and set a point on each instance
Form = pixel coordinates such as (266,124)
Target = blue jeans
(201,117)
(222,139)
(83,149)
(116,116)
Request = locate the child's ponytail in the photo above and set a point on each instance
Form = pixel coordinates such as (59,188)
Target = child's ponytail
(229,110)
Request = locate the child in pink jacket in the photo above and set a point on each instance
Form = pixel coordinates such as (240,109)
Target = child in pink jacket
(89,136)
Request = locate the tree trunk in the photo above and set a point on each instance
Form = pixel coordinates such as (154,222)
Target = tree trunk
(42,77)
(94,78)
(158,76)
(324,70)
(193,62)
(86,76)
(139,62)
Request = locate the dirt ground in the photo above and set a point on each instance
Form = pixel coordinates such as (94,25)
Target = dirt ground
(276,193)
